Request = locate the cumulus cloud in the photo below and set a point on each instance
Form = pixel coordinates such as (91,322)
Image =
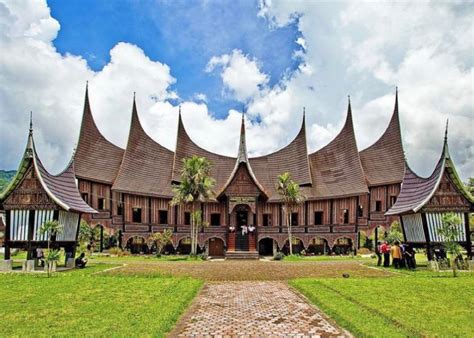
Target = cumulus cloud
(420,47)
(240,74)
(361,49)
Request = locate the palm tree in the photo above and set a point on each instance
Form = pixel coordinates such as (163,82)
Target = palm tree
(195,188)
(292,197)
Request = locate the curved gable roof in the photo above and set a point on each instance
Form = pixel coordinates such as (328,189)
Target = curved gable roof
(96,158)
(383,162)
(146,165)
(336,168)
(292,158)
(221,166)
(416,191)
(61,188)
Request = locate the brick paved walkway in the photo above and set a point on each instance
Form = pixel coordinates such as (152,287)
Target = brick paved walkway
(252,309)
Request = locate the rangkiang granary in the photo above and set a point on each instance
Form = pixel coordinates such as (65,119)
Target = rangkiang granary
(35,196)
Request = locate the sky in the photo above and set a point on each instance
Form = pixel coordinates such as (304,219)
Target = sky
(271,59)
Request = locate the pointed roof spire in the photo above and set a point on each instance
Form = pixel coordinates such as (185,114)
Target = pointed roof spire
(446,131)
(30,142)
(396,100)
(242,153)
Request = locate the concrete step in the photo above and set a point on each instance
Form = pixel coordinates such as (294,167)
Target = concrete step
(241,255)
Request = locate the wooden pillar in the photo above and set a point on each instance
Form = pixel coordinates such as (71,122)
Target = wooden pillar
(101,246)
(376,237)
(468,235)
(427,237)
(7,234)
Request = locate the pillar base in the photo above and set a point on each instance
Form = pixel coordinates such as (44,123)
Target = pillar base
(6,265)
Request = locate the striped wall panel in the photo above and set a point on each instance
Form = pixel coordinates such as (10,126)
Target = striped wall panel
(69,222)
(434,221)
(19,225)
(41,216)
(413,226)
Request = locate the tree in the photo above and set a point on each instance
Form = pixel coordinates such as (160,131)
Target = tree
(196,186)
(51,228)
(395,233)
(289,192)
(450,231)
(161,239)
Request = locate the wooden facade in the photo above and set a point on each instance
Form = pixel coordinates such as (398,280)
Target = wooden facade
(347,190)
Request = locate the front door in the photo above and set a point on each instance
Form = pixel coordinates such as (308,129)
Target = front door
(216,247)
(242,216)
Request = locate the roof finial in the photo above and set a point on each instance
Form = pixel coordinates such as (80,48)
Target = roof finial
(396,99)
(304,111)
(446,131)
(349,109)
(31,122)
(134,96)
(179,109)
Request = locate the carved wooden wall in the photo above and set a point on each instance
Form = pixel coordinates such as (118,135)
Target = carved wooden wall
(242,184)
(29,194)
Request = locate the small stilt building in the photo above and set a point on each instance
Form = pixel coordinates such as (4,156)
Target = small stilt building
(35,196)
(422,202)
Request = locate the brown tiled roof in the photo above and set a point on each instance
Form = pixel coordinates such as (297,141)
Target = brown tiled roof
(221,166)
(383,162)
(416,191)
(336,168)
(146,165)
(96,158)
(62,188)
(292,158)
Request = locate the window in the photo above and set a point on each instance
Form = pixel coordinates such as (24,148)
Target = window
(378,205)
(345,215)
(136,215)
(163,216)
(267,220)
(100,203)
(294,218)
(360,211)
(120,209)
(393,199)
(318,217)
(187,218)
(215,219)
(85,197)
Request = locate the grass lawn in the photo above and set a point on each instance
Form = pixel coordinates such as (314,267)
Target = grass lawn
(407,305)
(324,258)
(90,303)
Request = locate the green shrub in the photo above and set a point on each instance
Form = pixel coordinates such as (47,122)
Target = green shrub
(279,256)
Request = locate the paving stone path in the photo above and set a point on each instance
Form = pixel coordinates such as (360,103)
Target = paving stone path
(253,309)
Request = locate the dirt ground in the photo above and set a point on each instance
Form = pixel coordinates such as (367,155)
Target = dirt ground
(251,270)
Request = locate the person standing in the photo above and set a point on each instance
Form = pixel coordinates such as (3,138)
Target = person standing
(396,255)
(385,250)
(378,253)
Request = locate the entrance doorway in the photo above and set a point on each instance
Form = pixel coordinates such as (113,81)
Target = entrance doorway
(216,247)
(265,247)
(241,217)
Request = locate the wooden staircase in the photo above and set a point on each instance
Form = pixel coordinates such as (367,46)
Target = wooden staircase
(241,246)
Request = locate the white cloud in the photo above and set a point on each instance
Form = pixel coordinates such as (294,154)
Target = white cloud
(424,48)
(361,49)
(240,74)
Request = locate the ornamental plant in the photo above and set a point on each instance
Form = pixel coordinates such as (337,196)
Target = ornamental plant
(51,228)
(450,232)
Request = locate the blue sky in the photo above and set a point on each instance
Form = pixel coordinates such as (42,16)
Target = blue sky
(182,34)
(215,58)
